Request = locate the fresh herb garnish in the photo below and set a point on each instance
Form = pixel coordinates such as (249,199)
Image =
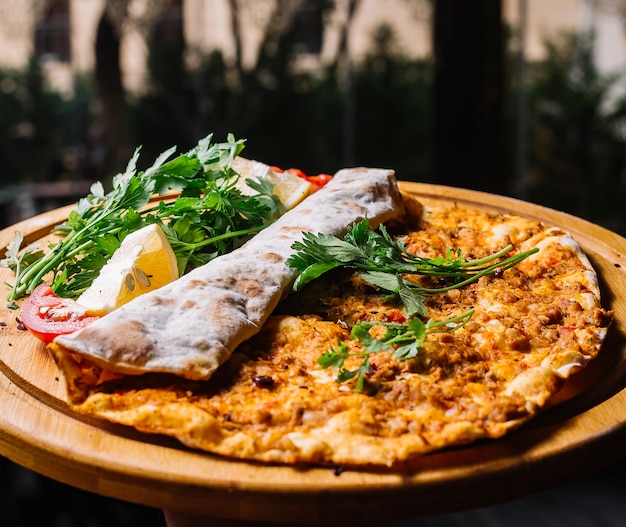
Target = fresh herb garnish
(209,217)
(404,340)
(384,263)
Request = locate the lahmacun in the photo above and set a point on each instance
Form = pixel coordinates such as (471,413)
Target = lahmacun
(532,326)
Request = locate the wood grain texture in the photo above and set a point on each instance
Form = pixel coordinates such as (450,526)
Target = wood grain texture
(582,433)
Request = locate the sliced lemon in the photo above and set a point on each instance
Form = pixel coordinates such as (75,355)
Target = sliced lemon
(289,188)
(144,262)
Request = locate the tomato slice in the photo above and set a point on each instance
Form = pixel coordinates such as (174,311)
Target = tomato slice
(318,181)
(47,316)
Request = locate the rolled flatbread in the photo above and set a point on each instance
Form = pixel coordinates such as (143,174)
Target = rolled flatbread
(191,326)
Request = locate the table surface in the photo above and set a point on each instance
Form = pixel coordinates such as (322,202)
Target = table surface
(582,433)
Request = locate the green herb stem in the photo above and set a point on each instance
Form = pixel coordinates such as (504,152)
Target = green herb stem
(204,199)
(404,340)
(479,273)
(214,239)
(385,263)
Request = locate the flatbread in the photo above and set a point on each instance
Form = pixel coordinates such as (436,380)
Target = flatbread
(191,326)
(535,325)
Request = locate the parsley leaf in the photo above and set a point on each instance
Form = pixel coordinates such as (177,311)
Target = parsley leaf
(403,340)
(383,262)
(209,216)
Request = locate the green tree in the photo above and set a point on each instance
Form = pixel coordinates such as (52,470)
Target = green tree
(393,100)
(577,146)
(33,125)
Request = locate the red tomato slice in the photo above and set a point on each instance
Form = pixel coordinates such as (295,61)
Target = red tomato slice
(47,316)
(318,181)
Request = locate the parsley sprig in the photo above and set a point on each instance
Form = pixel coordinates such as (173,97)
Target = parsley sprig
(209,216)
(384,262)
(403,340)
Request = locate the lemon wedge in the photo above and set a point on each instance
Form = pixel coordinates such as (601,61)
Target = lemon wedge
(289,188)
(144,262)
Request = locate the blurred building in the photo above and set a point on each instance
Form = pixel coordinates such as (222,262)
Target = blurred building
(606,19)
(62,33)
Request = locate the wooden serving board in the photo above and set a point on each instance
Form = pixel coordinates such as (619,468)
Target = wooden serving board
(585,431)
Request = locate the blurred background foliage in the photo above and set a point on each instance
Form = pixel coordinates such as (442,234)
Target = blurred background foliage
(289,118)
(577,154)
(575,140)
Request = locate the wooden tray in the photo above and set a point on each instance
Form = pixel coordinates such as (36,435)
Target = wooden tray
(584,432)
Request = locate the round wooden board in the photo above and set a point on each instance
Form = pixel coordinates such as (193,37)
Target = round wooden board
(584,432)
